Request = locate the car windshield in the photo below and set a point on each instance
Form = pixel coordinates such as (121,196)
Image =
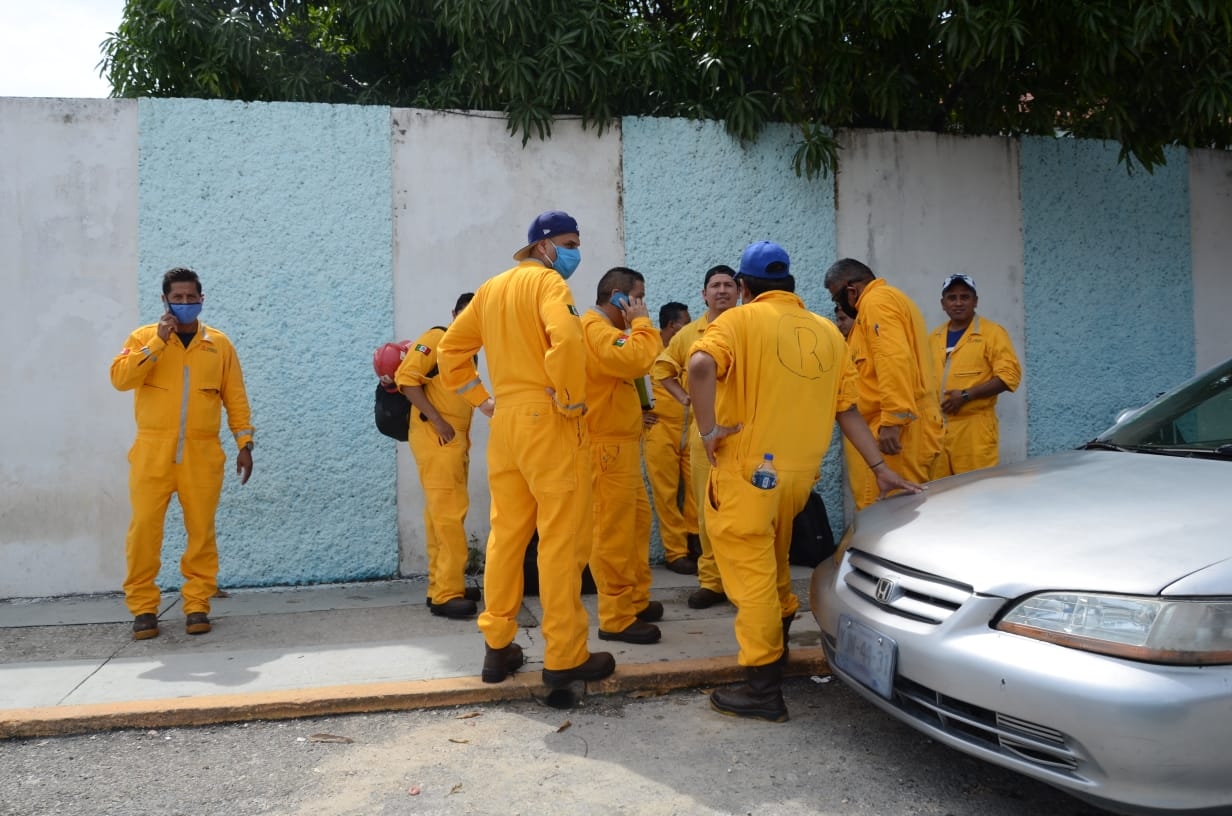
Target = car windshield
(1192,420)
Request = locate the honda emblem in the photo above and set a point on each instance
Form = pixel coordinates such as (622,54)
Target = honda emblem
(887,589)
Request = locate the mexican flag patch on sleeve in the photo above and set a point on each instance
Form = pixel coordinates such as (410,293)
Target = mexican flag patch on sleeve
(422,349)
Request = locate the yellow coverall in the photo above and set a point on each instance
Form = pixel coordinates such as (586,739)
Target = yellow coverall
(667,464)
(538,449)
(971,436)
(619,557)
(674,362)
(442,469)
(180,396)
(889,345)
(784,374)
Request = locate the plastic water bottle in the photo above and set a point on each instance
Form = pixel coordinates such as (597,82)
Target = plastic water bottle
(766,477)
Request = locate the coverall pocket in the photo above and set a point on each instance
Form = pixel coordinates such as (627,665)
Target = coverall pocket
(737,508)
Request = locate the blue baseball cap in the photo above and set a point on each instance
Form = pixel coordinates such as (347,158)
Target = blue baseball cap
(546,225)
(766,260)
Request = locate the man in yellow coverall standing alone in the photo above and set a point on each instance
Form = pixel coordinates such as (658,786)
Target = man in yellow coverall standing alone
(621,345)
(765,379)
(184,373)
(440,442)
(898,391)
(538,448)
(974,360)
(666,451)
(719,292)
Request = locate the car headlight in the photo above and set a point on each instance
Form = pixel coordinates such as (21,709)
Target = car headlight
(1180,632)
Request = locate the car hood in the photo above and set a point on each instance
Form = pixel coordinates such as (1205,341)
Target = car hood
(1089,520)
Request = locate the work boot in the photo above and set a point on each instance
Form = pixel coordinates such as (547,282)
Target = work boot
(472,593)
(145,626)
(500,663)
(705,598)
(760,697)
(786,631)
(636,632)
(197,623)
(694,543)
(596,667)
(652,613)
(685,565)
(455,608)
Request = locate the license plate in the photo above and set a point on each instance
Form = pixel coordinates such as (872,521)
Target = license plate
(866,655)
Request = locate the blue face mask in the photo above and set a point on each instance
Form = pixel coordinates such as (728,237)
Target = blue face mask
(185,313)
(567,261)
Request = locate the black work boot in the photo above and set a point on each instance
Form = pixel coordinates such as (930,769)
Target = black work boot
(596,667)
(760,697)
(786,632)
(500,663)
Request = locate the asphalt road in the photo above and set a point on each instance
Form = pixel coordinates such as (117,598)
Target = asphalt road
(668,754)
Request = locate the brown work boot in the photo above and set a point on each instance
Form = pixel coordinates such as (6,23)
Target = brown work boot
(636,632)
(145,626)
(685,565)
(760,697)
(705,598)
(500,663)
(596,667)
(652,613)
(197,623)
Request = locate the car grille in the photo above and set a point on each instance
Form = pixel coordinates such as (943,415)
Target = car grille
(1031,742)
(1037,744)
(904,591)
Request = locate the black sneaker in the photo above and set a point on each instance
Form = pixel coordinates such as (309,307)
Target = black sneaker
(455,608)
(145,626)
(197,623)
(705,598)
(500,663)
(598,666)
(636,632)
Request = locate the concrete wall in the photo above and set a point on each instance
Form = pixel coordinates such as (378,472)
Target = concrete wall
(322,231)
(68,232)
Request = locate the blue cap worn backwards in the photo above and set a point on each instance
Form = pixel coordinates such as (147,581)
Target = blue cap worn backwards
(546,225)
(766,260)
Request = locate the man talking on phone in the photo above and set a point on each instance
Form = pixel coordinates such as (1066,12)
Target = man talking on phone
(184,373)
(621,345)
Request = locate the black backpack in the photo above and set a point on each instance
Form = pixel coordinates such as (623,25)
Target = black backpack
(393,413)
(393,410)
(812,540)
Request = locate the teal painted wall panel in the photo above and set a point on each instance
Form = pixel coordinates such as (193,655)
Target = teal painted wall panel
(285,212)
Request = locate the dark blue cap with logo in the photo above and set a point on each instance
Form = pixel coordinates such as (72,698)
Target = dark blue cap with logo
(546,225)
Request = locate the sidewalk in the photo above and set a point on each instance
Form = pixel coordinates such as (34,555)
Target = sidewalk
(70,665)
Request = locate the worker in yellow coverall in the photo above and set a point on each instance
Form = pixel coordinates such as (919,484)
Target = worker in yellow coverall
(719,293)
(974,360)
(538,448)
(184,373)
(621,345)
(440,442)
(765,379)
(666,453)
(898,390)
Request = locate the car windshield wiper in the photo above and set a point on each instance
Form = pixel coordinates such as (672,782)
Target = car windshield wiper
(1221,452)
(1100,444)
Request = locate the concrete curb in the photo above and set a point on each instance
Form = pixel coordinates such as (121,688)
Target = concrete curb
(373,697)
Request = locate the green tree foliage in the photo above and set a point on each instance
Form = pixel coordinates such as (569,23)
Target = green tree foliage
(1146,74)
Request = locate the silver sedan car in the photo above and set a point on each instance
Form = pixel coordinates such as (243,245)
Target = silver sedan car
(1069,617)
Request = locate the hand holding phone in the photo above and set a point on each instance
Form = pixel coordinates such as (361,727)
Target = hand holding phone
(166,323)
(620,300)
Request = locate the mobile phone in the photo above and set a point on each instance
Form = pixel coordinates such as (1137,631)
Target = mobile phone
(620,300)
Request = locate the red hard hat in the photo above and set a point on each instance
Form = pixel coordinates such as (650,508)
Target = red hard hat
(387,358)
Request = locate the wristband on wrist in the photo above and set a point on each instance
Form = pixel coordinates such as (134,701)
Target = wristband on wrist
(879,464)
(706,437)
(966,395)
